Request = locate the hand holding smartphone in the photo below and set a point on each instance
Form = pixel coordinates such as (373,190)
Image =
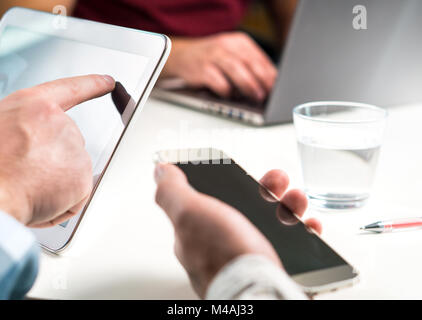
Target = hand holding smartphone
(304,255)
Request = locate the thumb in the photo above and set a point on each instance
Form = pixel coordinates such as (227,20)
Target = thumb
(174,193)
(165,172)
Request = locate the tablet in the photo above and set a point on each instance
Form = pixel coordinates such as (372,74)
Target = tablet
(36,47)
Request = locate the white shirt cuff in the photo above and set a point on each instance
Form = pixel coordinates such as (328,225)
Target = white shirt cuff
(253,277)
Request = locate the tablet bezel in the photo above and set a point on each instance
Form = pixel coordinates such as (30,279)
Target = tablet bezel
(57,238)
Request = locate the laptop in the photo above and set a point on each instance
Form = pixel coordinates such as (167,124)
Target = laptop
(367,51)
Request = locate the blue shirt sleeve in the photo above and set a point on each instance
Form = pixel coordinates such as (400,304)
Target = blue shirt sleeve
(19,254)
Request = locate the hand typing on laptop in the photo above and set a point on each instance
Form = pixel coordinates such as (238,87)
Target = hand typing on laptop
(222,63)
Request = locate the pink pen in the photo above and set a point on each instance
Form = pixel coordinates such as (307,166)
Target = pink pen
(391,225)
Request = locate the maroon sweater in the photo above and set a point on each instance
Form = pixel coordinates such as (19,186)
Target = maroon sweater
(171,17)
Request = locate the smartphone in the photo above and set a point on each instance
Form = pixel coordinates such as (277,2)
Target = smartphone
(311,262)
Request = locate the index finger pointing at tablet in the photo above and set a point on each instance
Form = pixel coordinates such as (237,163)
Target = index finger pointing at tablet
(70,92)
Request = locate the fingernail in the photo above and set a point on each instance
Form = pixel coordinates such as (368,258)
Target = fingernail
(108,79)
(158,172)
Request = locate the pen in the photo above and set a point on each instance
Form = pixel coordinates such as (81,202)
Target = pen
(391,225)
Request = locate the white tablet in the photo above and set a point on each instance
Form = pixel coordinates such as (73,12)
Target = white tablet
(36,47)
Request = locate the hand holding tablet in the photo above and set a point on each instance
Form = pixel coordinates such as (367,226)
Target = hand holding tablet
(132,57)
(46,151)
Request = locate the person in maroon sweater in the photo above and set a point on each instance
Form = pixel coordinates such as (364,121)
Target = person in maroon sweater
(207,50)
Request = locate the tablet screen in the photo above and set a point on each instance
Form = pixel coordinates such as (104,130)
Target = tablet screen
(28,58)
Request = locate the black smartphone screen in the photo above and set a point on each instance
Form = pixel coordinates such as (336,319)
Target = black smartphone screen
(299,249)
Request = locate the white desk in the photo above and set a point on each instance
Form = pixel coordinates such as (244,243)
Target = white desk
(124,248)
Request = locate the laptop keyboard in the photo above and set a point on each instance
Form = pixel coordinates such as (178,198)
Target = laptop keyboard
(236,98)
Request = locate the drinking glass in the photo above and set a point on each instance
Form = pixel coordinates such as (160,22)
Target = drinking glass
(339,145)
